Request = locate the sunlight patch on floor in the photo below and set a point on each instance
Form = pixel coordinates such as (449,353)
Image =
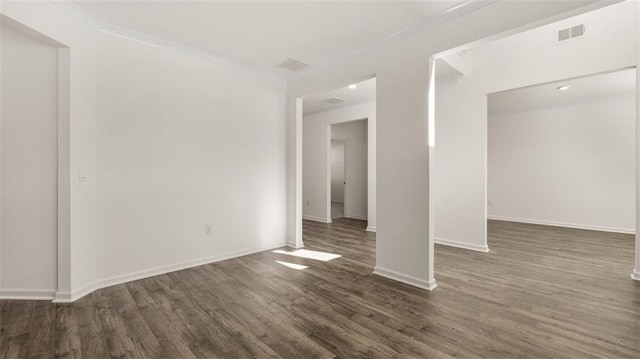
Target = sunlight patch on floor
(293,265)
(305,253)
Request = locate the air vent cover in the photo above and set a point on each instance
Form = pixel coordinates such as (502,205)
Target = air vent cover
(564,34)
(577,31)
(334,100)
(571,33)
(293,65)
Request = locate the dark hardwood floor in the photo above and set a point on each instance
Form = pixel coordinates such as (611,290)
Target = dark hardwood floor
(542,292)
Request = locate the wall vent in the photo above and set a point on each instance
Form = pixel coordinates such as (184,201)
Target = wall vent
(293,65)
(571,33)
(334,100)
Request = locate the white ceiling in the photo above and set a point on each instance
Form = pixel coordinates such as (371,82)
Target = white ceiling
(265,33)
(365,92)
(547,95)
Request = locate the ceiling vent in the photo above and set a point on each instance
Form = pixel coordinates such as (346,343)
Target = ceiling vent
(571,33)
(334,100)
(293,65)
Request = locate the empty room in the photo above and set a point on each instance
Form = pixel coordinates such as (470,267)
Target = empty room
(319,179)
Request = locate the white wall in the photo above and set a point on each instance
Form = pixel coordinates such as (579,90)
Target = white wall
(168,144)
(337,171)
(29,165)
(570,165)
(404,250)
(183,143)
(355,134)
(315,169)
(521,60)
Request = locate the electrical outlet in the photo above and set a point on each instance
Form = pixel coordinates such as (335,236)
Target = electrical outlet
(208,230)
(308,202)
(489,202)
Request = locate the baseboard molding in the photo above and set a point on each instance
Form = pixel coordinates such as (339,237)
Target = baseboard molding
(562,224)
(356,216)
(371,229)
(62,297)
(66,297)
(635,275)
(407,279)
(463,245)
(27,294)
(317,219)
(295,246)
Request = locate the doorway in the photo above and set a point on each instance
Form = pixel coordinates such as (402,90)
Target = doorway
(464,193)
(339,155)
(29,170)
(348,170)
(542,166)
(338,178)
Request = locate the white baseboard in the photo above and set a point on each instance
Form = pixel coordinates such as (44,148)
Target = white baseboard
(27,294)
(356,216)
(66,297)
(407,279)
(295,246)
(63,297)
(371,229)
(635,275)
(463,245)
(317,219)
(563,224)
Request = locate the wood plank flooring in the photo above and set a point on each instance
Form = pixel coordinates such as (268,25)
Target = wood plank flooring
(542,292)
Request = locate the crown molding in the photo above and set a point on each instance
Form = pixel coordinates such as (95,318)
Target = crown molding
(429,22)
(96,24)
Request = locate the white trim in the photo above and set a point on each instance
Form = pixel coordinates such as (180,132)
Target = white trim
(27,294)
(316,219)
(371,229)
(635,275)
(356,216)
(65,297)
(93,22)
(562,224)
(463,245)
(407,279)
